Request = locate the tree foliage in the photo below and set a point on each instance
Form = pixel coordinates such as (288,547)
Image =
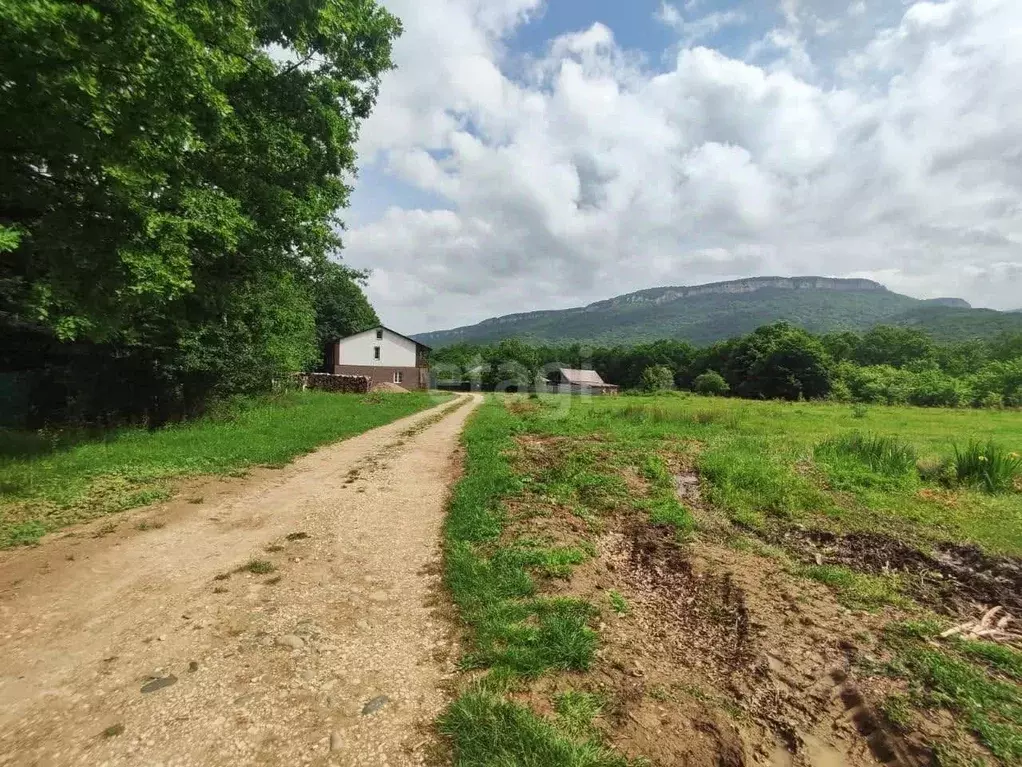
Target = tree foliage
(656,378)
(779,361)
(171,177)
(712,383)
(341,307)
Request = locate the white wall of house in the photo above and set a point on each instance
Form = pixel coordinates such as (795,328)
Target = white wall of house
(395,351)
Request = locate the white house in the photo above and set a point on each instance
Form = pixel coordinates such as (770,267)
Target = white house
(382,355)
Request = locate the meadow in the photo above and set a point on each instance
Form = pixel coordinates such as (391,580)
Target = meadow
(584,526)
(48,481)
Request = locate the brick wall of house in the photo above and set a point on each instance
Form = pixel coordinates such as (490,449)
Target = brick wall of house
(412,378)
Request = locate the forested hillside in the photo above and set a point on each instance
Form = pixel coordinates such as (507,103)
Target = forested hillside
(705,314)
(170,183)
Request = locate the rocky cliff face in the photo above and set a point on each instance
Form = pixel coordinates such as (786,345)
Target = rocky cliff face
(663,295)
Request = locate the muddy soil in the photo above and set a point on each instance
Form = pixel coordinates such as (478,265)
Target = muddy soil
(723,659)
(953,579)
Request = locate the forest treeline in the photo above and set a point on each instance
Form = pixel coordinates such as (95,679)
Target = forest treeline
(890,365)
(170,180)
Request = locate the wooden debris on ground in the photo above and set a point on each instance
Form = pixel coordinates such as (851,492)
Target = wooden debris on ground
(995,625)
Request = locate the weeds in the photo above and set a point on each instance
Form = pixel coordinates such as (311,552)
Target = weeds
(752,485)
(987,466)
(946,677)
(882,454)
(257,567)
(618,603)
(22,534)
(897,709)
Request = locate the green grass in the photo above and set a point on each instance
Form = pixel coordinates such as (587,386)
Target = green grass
(71,481)
(767,467)
(978,682)
(857,591)
(489,731)
(618,603)
(992,707)
(513,630)
(762,468)
(1004,659)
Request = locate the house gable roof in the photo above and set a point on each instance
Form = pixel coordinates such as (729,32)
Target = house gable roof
(583,378)
(389,330)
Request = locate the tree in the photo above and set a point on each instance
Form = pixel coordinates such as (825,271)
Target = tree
(711,382)
(657,378)
(342,309)
(174,187)
(779,361)
(886,345)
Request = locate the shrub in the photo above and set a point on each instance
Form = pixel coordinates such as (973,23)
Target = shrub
(884,455)
(656,378)
(988,466)
(840,392)
(859,410)
(711,382)
(997,384)
(933,388)
(876,384)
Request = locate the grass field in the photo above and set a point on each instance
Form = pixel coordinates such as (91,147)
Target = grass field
(46,484)
(858,500)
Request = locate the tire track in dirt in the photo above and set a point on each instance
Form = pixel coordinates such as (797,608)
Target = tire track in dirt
(336,656)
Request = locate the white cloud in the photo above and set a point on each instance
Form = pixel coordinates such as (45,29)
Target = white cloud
(698,28)
(595,176)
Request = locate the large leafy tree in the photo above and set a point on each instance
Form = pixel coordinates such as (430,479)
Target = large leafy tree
(779,361)
(342,308)
(171,171)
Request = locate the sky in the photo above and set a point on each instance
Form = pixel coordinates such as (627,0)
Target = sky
(541,154)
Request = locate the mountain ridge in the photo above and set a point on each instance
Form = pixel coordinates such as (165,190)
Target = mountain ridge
(706,313)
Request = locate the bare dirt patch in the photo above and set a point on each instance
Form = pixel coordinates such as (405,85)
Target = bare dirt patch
(274,663)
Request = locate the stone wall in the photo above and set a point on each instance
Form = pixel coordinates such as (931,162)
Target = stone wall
(335,383)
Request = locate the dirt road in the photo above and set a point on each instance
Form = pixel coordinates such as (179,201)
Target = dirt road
(148,645)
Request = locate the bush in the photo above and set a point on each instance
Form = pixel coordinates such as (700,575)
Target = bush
(933,388)
(997,384)
(656,378)
(712,383)
(878,384)
(839,391)
(989,467)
